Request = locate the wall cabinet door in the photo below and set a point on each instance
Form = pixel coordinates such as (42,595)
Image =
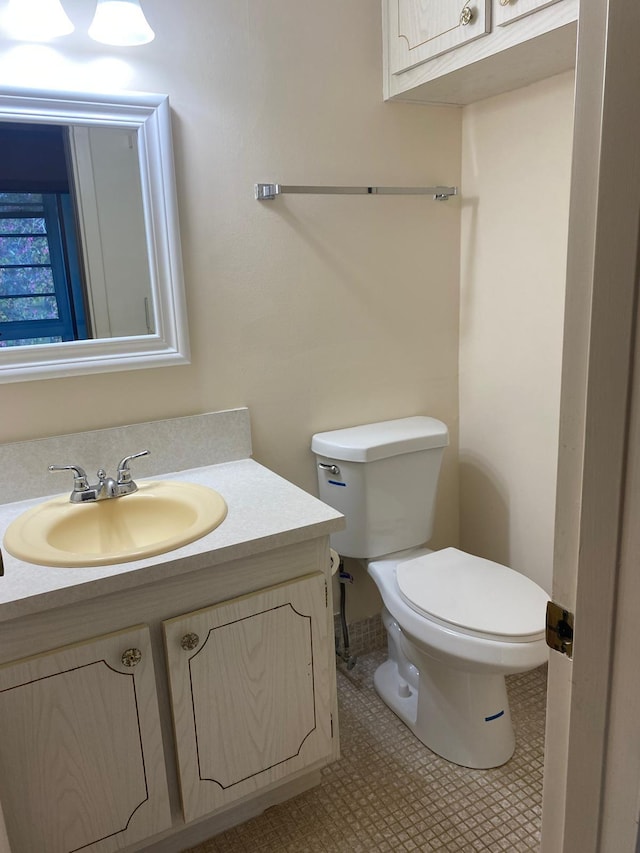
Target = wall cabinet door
(250,692)
(420,30)
(81,760)
(507,11)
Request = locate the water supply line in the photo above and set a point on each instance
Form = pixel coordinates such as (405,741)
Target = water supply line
(344,655)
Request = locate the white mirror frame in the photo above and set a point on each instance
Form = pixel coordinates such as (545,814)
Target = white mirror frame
(149,115)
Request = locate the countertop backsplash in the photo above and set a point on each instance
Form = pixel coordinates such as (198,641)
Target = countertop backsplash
(175,444)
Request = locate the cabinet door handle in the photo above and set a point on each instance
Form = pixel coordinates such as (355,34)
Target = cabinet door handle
(189,642)
(466,16)
(131,657)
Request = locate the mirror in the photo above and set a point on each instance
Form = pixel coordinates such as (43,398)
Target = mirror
(120,170)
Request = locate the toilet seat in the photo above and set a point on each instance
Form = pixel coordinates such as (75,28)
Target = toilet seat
(473,595)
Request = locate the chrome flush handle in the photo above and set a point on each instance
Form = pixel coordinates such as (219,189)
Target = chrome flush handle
(332,469)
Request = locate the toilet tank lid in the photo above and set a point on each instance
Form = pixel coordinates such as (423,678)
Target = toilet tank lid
(370,442)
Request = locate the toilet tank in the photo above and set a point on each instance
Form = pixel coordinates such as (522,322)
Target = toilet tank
(383,478)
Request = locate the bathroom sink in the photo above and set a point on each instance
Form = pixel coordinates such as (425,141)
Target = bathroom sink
(160,516)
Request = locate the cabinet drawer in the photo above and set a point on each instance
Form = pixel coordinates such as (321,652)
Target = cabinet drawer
(507,11)
(420,30)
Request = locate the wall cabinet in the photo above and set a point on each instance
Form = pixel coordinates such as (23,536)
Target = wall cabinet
(423,29)
(507,11)
(243,695)
(250,692)
(439,52)
(80,747)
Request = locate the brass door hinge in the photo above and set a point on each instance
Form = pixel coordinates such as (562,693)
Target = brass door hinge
(559,629)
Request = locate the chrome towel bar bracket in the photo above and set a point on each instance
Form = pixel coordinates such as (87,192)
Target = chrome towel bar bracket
(267,192)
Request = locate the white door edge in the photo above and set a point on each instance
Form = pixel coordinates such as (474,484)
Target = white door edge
(599,337)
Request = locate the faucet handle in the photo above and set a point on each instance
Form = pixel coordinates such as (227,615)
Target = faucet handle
(124,474)
(80,482)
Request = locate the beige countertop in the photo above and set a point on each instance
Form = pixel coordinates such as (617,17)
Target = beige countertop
(264,512)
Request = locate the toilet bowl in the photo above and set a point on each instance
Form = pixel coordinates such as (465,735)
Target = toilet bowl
(456,624)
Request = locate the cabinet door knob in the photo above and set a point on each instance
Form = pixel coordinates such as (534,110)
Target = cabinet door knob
(189,642)
(131,657)
(466,16)
(505,2)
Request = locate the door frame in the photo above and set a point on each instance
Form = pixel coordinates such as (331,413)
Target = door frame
(590,801)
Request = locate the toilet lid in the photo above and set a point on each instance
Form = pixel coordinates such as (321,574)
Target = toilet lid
(473,594)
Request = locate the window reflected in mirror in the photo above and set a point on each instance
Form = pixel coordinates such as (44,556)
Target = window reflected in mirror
(38,301)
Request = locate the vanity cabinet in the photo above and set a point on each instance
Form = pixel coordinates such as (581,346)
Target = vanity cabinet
(99,752)
(250,693)
(221,701)
(438,52)
(81,755)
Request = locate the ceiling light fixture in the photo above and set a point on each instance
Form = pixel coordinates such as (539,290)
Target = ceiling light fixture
(37,20)
(120,22)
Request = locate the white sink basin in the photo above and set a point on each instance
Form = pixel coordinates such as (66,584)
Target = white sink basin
(158,517)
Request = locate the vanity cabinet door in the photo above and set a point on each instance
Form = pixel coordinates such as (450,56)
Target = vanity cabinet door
(507,11)
(81,759)
(419,30)
(250,691)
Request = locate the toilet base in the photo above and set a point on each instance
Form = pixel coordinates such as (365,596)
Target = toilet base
(463,717)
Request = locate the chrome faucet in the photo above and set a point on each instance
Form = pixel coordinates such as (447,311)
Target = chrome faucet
(106,487)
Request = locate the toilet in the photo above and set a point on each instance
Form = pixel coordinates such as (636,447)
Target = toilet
(456,624)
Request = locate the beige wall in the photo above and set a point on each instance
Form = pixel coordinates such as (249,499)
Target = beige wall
(316,312)
(321,312)
(515,185)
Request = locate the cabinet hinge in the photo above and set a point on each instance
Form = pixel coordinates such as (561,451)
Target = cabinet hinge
(326,594)
(559,633)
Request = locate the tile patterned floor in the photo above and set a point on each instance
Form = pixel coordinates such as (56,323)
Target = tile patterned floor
(389,793)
